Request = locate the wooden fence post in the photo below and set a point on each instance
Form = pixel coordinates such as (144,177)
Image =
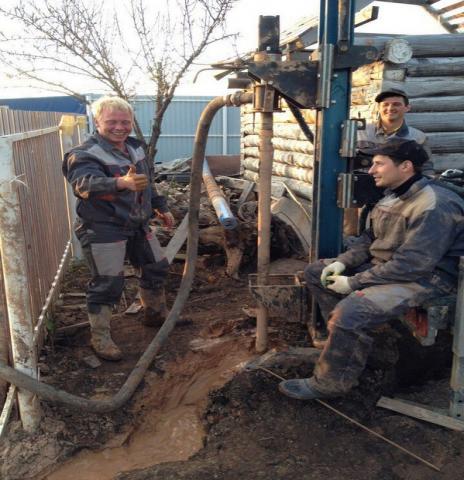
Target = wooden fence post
(17,291)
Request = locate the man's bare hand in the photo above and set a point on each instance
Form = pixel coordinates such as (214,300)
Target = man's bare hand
(166,218)
(136,182)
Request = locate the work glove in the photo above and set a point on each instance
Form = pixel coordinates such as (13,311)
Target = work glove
(339,284)
(334,268)
(166,217)
(136,182)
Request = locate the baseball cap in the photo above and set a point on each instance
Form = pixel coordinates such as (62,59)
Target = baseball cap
(392,92)
(401,150)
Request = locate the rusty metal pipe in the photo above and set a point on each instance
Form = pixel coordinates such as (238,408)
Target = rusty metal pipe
(50,393)
(266,153)
(220,205)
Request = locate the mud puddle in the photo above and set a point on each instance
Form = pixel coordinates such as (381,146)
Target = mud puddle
(169,427)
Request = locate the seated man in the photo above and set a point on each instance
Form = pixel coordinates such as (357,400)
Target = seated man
(410,253)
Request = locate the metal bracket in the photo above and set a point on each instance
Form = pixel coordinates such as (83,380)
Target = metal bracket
(356,189)
(349,136)
(355,57)
(294,80)
(324,76)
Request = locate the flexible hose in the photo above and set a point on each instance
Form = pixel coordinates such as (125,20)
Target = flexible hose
(47,392)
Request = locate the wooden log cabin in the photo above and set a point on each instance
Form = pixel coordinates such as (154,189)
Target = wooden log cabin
(433,78)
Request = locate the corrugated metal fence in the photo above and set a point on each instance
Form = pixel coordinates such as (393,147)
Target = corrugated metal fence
(34,229)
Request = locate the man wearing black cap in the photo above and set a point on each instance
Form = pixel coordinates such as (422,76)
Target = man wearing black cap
(410,253)
(393,104)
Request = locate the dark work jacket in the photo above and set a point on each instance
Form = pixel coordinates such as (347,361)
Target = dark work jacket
(416,235)
(92,169)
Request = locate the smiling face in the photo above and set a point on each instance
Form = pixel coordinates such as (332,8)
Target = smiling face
(389,175)
(392,110)
(114,125)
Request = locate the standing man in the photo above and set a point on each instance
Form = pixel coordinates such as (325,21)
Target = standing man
(409,254)
(392,104)
(110,177)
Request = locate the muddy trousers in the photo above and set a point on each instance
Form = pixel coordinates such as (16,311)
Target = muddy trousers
(351,318)
(105,251)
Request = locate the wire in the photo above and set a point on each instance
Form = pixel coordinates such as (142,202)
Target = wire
(352,420)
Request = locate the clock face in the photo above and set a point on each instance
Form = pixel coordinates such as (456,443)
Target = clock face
(398,51)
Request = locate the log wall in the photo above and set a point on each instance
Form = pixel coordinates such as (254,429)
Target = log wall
(434,80)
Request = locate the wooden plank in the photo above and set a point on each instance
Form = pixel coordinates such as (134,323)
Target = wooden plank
(249,187)
(408,2)
(177,240)
(305,38)
(437,121)
(421,412)
(7,408)
(449,8)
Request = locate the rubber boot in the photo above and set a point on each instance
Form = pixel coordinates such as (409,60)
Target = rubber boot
(154,307)
(101,340)
(341,362)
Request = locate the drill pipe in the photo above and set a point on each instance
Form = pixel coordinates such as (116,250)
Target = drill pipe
(221,207)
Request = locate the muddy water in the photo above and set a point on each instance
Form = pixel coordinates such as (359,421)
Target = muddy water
(171,428)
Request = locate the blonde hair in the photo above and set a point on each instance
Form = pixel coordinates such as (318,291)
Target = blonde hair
(111,103)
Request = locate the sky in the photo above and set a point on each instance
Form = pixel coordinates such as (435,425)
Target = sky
(398,18)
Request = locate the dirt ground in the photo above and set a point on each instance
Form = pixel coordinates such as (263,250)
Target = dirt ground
(198,414)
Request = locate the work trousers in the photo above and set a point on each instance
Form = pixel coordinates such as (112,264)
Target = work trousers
(105,250)
(351,318)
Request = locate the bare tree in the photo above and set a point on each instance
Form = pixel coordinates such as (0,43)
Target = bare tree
(119,47)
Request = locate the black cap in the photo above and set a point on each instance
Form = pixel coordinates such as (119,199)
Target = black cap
(401,150)
(392,92)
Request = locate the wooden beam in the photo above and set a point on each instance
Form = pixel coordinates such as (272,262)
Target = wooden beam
(407,2)
(426,67)
(437,121)
(310,35)
(446,142)
(302,189)
(455,16)
(442,45)
(428,86)
(443,161)
(7,408)
(421,412)
(450,8)
(437,104)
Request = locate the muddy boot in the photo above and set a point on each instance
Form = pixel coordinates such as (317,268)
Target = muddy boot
(154,307)
(341,361)
(337,370)
(101,339)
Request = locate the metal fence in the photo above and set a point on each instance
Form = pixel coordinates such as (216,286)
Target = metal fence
(34,231)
